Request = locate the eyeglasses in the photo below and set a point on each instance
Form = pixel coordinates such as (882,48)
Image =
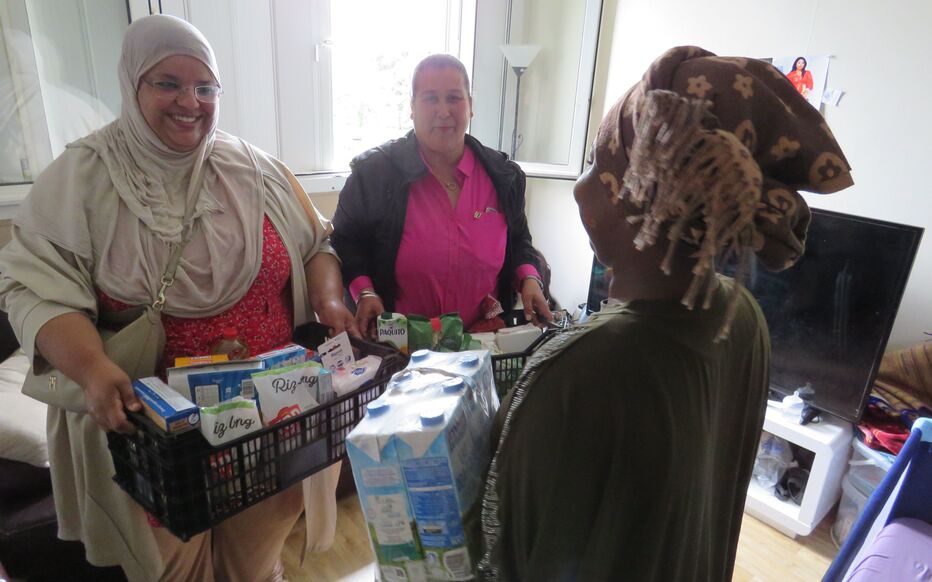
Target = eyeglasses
(173,90)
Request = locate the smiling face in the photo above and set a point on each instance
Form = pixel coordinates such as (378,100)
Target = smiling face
(441,110)
(178,119)
(800,64)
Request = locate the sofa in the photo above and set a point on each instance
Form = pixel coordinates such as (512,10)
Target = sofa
(29,546)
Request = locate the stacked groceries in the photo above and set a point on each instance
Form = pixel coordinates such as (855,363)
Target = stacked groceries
(445,334)
(418,455)
(418,458)
(229,399)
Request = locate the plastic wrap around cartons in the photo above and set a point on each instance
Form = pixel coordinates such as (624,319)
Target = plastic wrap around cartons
(475,366)
(426,437)
(383,496)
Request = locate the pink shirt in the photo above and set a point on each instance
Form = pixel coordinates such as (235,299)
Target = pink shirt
(449,259)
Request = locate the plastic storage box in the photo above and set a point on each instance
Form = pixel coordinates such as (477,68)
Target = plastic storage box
(866,470)
(191,486)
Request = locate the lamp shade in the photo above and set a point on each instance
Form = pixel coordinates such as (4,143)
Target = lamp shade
(520,55)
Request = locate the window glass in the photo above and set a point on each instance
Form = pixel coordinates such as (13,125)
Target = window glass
(372,67)
(316,82)
(57,78)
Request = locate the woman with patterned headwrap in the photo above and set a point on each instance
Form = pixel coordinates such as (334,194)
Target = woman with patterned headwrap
(625,450)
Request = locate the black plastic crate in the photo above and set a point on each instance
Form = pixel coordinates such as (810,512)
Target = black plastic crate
(507,368)
(190,486)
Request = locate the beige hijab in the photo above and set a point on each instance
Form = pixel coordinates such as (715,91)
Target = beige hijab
(132,233)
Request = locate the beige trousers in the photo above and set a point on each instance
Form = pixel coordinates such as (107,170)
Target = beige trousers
(245,548)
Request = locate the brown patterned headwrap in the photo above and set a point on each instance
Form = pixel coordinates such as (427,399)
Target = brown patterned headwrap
(712,151)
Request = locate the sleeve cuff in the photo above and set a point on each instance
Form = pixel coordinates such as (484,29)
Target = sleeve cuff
(523,272)
(358,284)
(40,314)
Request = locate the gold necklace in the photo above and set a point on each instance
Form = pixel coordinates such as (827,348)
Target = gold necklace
(449,185)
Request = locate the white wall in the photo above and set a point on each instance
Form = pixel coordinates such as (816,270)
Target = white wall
(881,56)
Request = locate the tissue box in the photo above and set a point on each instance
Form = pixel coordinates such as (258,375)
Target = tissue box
(169,410)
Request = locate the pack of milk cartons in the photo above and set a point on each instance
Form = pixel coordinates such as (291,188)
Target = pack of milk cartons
(430,441)
(443,449)
(382,495)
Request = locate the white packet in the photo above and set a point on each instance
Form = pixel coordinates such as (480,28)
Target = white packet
(354,375)
(287,392)
(230,420)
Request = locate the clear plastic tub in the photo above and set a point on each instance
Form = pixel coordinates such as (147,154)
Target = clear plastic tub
(866,470)
(849,508)
(868,467)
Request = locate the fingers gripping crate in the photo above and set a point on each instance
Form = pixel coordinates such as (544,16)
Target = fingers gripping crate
(190,486)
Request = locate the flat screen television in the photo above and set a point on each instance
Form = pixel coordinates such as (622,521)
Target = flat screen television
(830,315)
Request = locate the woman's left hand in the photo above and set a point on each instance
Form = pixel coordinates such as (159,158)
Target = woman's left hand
(335,315)
(536,309)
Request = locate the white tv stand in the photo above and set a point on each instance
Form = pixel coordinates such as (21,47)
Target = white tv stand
(830,440)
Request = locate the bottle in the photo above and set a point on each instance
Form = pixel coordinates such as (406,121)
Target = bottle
(231,345)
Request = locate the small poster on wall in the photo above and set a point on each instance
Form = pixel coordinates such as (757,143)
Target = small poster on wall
(807,73)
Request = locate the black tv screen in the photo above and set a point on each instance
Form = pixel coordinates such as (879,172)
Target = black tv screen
(830,315)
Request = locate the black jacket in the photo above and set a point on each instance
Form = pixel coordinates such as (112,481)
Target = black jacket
(373,204)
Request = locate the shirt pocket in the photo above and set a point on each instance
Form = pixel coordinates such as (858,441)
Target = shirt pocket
(487,233)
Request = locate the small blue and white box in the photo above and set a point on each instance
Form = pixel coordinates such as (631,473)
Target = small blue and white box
(287,355)
(169,410)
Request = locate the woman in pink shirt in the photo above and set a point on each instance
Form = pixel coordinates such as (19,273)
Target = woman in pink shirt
(434,222)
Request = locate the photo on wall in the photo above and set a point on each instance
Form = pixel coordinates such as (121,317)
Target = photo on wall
(808,73)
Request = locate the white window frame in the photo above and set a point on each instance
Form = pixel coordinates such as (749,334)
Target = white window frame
(492,78)
(478,42)
(11,195)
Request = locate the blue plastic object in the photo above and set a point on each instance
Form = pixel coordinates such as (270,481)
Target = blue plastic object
(914,465)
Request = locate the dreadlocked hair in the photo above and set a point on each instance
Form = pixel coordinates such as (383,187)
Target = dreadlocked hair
(698,185)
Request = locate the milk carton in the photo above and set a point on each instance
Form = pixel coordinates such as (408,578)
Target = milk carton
(442,448)
(382,495)
(393,328)
(426,439)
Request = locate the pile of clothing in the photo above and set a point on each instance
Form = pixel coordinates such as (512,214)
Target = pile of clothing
(902,393)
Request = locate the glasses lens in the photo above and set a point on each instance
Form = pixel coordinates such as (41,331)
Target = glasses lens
(207,93)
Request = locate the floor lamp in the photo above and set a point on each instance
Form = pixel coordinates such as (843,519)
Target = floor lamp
(519,56)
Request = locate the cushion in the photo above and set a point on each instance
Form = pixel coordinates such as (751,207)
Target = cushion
(22,419)
(901,551)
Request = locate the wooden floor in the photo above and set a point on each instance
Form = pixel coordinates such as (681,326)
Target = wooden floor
(764,554)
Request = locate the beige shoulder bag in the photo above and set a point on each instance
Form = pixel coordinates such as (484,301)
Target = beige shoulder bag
(136,347)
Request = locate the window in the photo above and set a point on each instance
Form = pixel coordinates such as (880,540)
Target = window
(316,82)
(556,88)
(45,104)
(312,82)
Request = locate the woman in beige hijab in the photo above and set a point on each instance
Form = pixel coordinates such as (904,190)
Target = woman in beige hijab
(625,450)
(94,237)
